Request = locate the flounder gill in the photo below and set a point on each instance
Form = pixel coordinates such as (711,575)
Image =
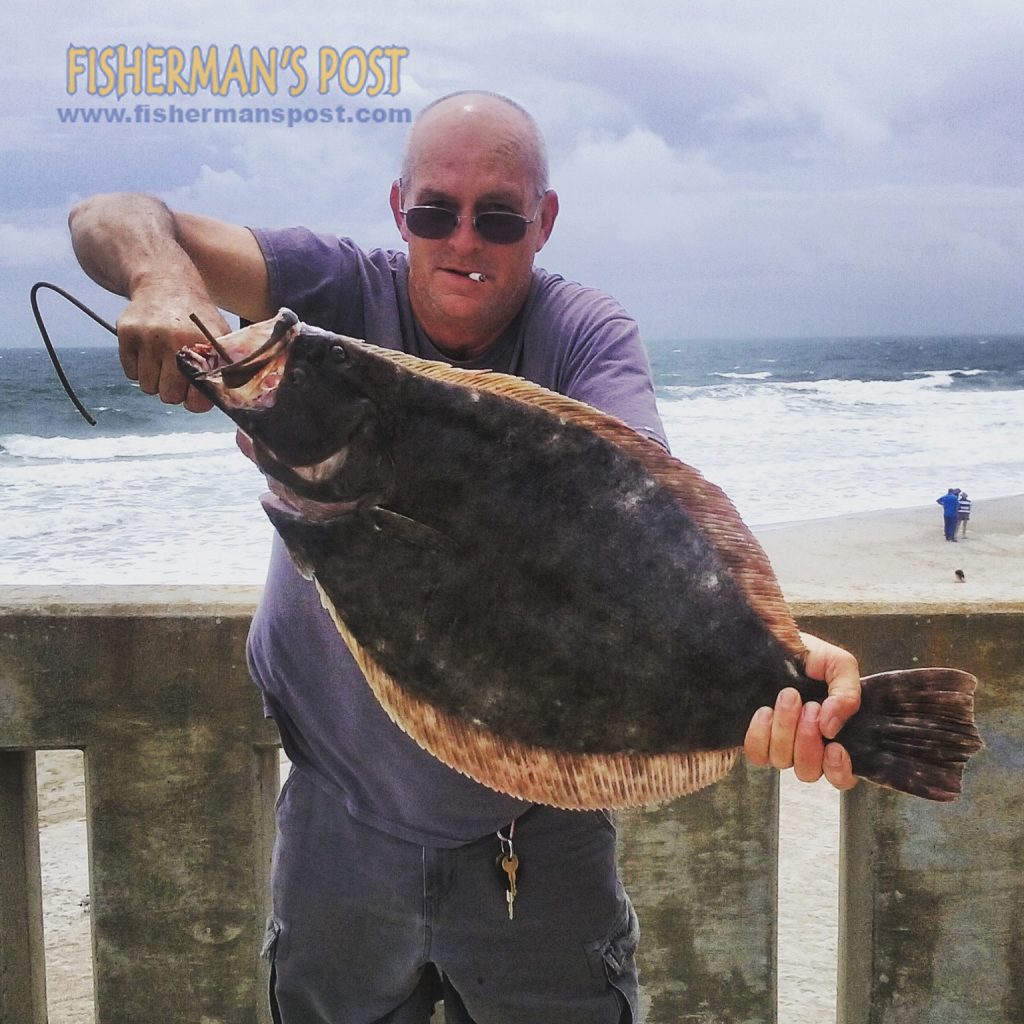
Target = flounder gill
(541,597)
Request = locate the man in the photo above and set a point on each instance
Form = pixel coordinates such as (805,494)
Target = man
(386,891)
(950,502)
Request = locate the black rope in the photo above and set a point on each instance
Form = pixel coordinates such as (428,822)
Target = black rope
(49,345)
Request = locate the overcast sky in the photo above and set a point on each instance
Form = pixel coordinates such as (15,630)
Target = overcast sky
(740,168)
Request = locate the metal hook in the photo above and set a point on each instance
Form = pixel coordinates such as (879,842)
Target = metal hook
(49,345)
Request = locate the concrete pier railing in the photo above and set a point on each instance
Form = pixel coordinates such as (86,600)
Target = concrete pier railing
(181,773)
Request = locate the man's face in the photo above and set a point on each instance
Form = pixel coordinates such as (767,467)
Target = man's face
(469,165)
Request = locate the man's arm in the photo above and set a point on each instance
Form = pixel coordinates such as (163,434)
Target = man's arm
(169,265)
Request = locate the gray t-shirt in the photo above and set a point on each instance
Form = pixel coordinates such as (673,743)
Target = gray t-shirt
(568,338)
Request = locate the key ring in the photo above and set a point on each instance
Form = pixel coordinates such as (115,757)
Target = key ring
(506,841)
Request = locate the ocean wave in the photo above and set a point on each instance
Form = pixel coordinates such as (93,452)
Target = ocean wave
(924,387)
(760,375)
(823,430)
(104,449)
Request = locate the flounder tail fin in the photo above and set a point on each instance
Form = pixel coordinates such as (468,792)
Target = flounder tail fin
(915,731)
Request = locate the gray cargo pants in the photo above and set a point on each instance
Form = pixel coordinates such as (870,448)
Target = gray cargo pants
(369,929)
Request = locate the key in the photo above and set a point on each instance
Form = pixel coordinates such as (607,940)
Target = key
(509,865)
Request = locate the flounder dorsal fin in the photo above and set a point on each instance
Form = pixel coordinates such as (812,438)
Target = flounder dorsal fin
(538,774)
(705,503)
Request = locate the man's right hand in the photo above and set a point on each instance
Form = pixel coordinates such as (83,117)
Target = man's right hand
(169,265)
(150,331)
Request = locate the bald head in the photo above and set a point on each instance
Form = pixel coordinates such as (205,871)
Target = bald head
(514,133)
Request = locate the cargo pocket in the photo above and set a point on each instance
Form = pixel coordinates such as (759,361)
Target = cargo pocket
(614,958)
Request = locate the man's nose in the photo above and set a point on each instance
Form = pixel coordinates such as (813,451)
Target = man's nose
(465,237)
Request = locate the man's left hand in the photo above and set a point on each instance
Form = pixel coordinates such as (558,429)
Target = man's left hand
(792,735)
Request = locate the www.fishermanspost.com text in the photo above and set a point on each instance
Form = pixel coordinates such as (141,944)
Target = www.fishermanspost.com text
(290,117)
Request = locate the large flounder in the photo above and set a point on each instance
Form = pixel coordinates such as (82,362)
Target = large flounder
(540,596)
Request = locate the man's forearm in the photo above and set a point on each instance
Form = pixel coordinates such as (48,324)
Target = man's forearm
(123,239)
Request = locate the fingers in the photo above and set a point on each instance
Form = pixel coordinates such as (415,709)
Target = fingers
(158,374)
(787,736)
(149,338)
(145,353)
(808,745)
(772,732)
(784,725)
(778,737)
(840,671)
(791,735)
(758,739)
(195,401)
(129,356)
(156,370)
(837,767)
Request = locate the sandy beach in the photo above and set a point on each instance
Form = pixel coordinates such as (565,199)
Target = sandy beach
(900,556)
(896,556)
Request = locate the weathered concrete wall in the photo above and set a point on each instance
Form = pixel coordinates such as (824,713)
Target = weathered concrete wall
(932,898)
(182,774)
(702,875)
(932,895)
(22,978)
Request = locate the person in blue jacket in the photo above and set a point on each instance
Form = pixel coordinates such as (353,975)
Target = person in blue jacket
(950,503)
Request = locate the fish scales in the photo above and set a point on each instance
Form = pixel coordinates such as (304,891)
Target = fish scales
(543,598)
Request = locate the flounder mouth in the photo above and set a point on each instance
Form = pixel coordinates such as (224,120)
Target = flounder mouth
(242,370)
(289,503)
(287,484)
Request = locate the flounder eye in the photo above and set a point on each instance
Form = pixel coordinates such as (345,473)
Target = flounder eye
(338,354)
(297,376)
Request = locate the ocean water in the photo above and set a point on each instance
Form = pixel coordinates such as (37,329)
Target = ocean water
(791,429)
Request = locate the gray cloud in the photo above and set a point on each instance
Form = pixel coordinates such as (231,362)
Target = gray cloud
(739,169)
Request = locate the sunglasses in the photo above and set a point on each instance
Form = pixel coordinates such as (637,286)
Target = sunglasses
(496,226)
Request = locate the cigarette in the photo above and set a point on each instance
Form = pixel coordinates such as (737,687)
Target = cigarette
(476,276)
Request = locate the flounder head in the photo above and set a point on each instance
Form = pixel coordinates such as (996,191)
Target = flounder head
(314,407)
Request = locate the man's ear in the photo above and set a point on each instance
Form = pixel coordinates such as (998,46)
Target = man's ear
(548,213)
(396,208)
